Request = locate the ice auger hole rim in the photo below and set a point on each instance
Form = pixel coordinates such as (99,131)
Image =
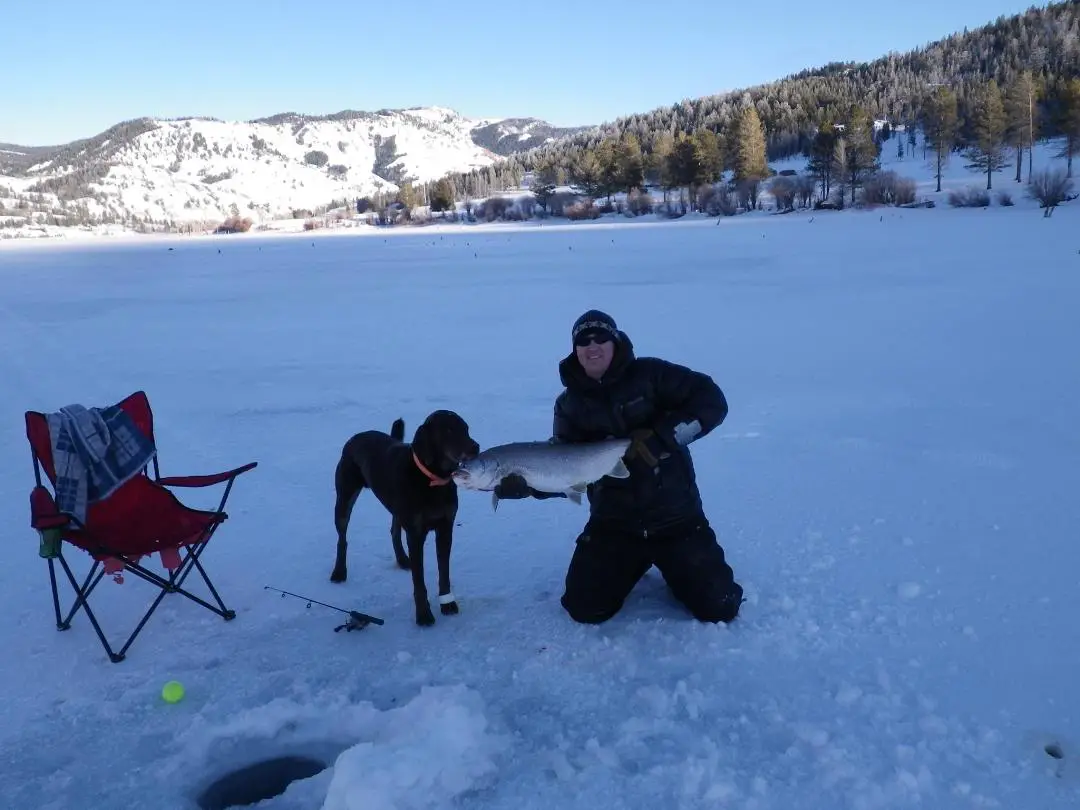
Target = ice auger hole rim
(258,781)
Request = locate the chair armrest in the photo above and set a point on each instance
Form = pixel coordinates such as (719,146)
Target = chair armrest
(205,480)
(43,512)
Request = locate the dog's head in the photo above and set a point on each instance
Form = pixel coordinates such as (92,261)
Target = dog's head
(443,442)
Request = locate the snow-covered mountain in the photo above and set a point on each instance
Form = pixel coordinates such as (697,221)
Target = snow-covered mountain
(201,169)
(504,136)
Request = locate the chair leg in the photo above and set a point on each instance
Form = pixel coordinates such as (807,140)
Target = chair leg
(182,574)
(82,596)
(165,586)
(176,578)
(55,593)
(142,622)
(82,593)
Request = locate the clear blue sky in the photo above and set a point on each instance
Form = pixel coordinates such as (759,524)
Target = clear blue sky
(75,68)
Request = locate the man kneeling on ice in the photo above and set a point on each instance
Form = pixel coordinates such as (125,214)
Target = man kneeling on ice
(654,516)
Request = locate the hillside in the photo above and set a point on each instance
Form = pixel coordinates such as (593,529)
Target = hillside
(166,172)
(1043,40)
(509,136)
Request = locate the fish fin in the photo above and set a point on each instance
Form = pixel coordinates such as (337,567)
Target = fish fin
(574,494)
(619,470)
(494,502)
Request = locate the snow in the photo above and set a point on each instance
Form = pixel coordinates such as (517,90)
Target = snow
(894,486)
(277,177)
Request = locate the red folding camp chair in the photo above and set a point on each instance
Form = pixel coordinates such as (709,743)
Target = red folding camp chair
(140,518)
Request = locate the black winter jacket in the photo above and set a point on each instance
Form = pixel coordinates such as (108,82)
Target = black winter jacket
(680,404)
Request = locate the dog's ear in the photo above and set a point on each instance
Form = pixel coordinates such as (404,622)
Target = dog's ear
(422,443)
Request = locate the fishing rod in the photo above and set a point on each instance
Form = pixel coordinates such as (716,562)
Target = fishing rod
(356,621)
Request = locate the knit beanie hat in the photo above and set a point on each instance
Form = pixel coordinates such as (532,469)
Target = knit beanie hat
(593,322)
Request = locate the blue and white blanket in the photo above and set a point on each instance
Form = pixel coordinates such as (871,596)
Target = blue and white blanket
(95,451)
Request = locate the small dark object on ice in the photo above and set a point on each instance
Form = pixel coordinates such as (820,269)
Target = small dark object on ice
(1054,750)
(356,621)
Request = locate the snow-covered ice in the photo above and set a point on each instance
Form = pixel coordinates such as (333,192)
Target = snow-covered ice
(895,487)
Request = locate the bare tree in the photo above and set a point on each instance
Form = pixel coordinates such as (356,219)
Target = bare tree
(1050,189)
(783,190)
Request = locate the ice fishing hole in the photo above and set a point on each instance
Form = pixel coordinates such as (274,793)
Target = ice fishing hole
(1054,750)
(258,782)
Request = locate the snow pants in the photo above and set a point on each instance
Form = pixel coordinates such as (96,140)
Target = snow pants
(608,562)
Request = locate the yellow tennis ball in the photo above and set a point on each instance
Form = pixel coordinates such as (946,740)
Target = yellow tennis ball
(172,692)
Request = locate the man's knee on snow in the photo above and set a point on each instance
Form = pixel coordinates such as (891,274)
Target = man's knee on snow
(699,576)
(602,573)
(588,614)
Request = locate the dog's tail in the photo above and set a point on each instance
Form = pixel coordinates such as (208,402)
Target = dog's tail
(397,430)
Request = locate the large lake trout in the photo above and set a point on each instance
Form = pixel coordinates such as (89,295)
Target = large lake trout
(561,467)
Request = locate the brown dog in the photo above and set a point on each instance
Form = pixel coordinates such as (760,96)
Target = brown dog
(412,481)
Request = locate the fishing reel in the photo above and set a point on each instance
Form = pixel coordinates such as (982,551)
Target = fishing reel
(356,620)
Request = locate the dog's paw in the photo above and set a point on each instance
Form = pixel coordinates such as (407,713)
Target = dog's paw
(449,609)
(339,574)
(425,618)
(404,563)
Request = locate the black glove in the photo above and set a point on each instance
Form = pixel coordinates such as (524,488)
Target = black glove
(514,487)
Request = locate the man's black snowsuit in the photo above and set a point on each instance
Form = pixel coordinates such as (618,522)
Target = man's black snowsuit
(655,516)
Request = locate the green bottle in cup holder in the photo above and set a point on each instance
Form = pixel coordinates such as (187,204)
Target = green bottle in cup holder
(49,547)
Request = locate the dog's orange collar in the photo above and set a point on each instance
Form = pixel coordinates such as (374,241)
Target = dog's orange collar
(434,479)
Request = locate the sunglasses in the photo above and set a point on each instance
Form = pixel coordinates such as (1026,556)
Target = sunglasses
(587,338)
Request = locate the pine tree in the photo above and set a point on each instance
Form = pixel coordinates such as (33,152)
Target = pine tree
(709,155)
(683,165)
(861,150)
(407,196)
(629,164)
(988,130)
(545,178)
(820,163)
(751,159)
(442,195)
(939,124)
(839,165)
(607,161)
(587,174)
(1069,121)
(1020,116)
(658,162)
